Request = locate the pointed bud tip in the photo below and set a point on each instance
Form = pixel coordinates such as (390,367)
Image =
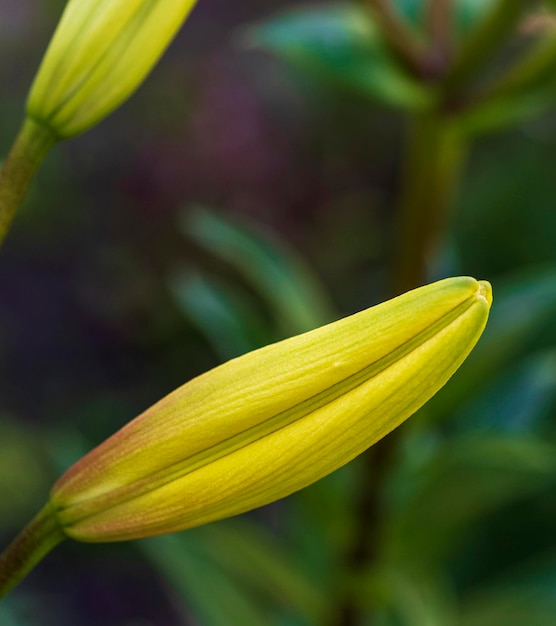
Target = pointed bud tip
(484,291)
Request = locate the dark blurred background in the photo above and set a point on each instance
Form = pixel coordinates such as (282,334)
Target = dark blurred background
(112,295)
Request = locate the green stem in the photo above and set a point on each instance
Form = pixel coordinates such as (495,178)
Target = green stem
(364,550)
(434,159)
(439,19)
(484,40)
(27,153)
(410,48)
(32,544)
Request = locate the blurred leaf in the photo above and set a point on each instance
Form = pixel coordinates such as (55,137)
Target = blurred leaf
(211,595)
(521,309)
(466,480)
(414,600)
(396,596)
(340,43)
(226,319)
(524,89)
(295,296)
(24,472)
(505,112)
(251,556)
(30,608)
(511,606)
(412,10)
(65,447)
(7,618)
(467,12)
(249,566)
(520,400)
(523,596)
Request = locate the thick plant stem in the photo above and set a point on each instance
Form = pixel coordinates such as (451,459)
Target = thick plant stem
(433,163)
(32,544)
(19,168)
(364,551)
(434,158)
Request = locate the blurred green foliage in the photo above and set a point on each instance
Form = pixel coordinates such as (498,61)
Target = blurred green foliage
(117,287)
(341,44)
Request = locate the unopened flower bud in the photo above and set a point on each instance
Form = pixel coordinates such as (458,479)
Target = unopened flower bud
(272,421)
(261,426)
(101,52)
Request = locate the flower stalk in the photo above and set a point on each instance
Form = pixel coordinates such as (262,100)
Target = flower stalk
(31,146)
(434,158)
(34,542)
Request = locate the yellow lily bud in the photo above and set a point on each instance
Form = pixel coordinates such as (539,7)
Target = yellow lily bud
(101,52)
(272,421)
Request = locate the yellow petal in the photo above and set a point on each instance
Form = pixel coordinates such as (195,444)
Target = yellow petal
(101,52)
(275,420)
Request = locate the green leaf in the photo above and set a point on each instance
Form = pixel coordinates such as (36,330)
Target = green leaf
(295,296)
(213,597)
(225,318)
(7,617)
(251,556)
(467,12)
(341,44)
(501,113)
(239,563)
(511,606)
(524,595)
(410,598)
(460,484)
(520,400)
